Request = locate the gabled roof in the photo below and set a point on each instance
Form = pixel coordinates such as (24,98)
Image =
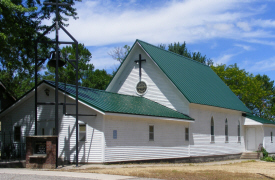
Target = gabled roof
(118,103)
(196,81)
(258,119)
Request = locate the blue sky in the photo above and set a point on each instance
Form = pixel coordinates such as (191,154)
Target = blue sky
(227,31)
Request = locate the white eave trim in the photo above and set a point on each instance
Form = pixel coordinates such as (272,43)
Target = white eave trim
(148,117)
(251,122)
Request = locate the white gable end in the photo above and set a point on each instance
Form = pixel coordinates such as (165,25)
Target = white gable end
(159,88)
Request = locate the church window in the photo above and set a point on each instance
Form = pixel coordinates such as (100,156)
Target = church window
(239,131)
(151,133)
(114,134)
(226,130)
(82,132)
(17,133)
(212,130)
(187,134)
(271,137)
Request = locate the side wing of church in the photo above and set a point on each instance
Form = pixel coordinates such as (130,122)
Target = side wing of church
(159,105)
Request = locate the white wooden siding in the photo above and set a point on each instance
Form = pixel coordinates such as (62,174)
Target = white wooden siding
(23,115)
(133,143)
(160,88)
(268,145)
(200,137)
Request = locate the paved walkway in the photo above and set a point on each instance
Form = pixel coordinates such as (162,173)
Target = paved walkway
(51,174)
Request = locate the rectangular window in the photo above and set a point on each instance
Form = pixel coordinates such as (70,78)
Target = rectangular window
(239,133)
(186,134)
(151,133)
(271,136)
(43,131)
(17,133)
(53,131)
(82,132)
(114,134)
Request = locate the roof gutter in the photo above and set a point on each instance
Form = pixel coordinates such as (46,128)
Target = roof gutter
(148,117)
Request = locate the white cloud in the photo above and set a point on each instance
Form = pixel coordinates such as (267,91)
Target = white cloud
(263,66)
(224,59)
(107,22)
(101,59)
(244,26)
(245,47)
(264,23)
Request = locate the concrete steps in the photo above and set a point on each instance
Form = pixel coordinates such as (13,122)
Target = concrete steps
(250,155)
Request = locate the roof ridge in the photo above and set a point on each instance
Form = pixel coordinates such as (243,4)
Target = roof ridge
(187,58)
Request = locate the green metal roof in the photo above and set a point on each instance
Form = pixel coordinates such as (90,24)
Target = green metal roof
(196,81)
(118,103)
(258,119)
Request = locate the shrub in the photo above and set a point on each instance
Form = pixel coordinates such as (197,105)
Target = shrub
(265,153)
(268,159)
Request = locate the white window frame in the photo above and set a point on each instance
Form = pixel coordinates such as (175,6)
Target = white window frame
(226,136)
(187,134)
(151,133)
(212,136)
(239,131)
(114,133)
(79,132)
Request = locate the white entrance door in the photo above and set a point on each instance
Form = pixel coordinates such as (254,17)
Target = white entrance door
(251,139)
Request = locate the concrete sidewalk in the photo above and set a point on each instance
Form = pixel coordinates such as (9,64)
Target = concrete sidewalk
(95,176)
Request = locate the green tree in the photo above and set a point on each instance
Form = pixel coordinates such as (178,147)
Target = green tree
(20,24)
(181,49)
(67,73)
(256,92)
(98,79)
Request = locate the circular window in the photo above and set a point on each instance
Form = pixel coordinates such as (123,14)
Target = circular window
(141,87)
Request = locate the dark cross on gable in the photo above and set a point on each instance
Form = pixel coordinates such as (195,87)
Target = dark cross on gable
(139,63)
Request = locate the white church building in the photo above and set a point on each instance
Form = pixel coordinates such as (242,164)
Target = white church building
(158,106)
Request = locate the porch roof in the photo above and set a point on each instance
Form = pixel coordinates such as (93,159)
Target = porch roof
(258,119)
